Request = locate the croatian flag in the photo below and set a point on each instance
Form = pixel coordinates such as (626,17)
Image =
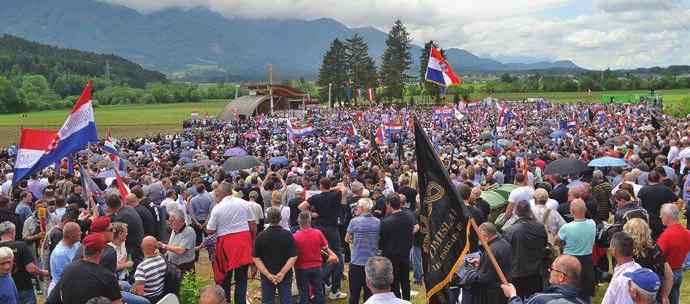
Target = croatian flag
(351,129)
(290,132)
(304,131)
(572,124)
(89,185)
(393,128)
(358,93)
(601,117)
(439,71)
(111,150)
(380,137)
(350,162)
(32,145)
(195,115)
(75,134)
(371,94)
(503,115)
(445,111)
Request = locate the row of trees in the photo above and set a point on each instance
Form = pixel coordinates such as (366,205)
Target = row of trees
(347,65)
(595,81)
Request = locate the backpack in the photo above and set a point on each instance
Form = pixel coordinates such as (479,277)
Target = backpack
(173,279)
(606,231)
(551,251)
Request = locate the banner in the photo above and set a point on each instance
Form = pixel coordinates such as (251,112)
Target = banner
(374,154)
(444,221)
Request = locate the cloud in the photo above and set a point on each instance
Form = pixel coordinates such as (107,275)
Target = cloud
(616,33)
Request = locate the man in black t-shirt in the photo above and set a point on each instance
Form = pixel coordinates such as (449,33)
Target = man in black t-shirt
(652,197)
(93,280)
(325,207)
(24,266)
(275,252)
(109,256)
(397,230)
(409,193)
(465,192)
(149,221)
(135,227)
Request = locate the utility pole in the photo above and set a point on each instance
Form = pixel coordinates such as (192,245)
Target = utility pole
(330,105)
(270,85)
(107,73)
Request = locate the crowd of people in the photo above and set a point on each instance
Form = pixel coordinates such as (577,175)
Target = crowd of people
(342,201)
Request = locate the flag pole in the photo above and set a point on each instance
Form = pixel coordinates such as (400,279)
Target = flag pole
(490,253)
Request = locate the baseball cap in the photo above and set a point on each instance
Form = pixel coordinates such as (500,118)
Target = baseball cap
(100,224)
(645,279)
(95,241)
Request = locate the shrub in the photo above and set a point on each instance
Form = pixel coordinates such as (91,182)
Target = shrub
(190,288)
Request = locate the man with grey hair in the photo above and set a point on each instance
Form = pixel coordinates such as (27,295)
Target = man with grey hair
(601,191)
(274,254)
(528,239)
(180,247)
(212,294)
(363,235)
(379,276)
(674,243)
(8,291)
(484,283)
(24,265)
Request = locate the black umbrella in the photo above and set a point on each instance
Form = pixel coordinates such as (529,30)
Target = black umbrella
(241,162)
(565,166)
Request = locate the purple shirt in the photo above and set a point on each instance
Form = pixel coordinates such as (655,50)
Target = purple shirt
(36,188)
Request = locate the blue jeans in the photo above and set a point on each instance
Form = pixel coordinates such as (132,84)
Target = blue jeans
(309,278)
(26,296)
(333,237)
(240,284)
(131,298)
(416,257)
(674,296)
(268,290)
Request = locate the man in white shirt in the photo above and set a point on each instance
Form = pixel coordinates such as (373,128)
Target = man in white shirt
(622,246)
(684,153)
(523,192)
(233,222)
(379,276)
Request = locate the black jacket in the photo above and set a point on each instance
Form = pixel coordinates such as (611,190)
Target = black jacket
(528,240)
(486,286)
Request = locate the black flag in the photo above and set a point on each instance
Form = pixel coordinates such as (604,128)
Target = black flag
(655,123)
(374,154)
(590,114)
(444,221)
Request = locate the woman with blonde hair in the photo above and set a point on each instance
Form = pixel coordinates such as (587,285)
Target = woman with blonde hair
(277,201)
(648,255)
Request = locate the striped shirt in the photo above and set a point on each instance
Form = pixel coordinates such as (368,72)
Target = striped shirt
(151,274)
(365,229)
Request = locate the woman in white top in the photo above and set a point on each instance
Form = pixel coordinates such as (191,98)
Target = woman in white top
(276,200)
(123,261)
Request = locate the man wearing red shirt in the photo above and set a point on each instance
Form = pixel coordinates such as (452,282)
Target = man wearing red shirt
(309,242)
(675,245)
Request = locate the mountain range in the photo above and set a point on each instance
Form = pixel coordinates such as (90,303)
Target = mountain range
(198,44)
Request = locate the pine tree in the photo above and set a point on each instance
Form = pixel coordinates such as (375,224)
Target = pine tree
(430,89)
(334,71)
(360,66)
(395,62)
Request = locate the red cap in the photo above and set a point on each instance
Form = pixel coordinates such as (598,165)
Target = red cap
(95,241)
(100,224)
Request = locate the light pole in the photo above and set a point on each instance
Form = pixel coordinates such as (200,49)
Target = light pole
(330,105)
(237,89)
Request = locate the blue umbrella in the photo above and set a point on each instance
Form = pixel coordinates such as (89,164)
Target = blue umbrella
(278,160)
(187,153)
(607,162)
(558,133)
(146,147)
(110,174)
(83,153)
(185,160)
(236,151)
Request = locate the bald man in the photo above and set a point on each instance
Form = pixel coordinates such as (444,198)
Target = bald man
(149,278)
(64,252)
(564,277)
(578,239)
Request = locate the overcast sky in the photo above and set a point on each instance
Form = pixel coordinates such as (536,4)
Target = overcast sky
(594,34)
